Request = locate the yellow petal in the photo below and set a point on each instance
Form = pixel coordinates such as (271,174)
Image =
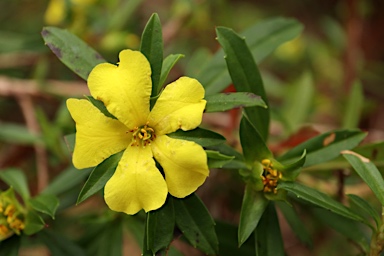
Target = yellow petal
(97,136)
(180,105)
(184,163)
(125,89)
(136,184)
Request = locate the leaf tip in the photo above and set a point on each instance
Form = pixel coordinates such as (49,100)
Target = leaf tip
(362,158)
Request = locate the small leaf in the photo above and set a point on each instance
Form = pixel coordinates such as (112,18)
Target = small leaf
(72,51)
(217,160)
(360,205)
(66,180)
(10,246)
(99,177)
(268,240)
(297,226)
(226,101)
(325,147)
(152,47)
(195,222)
(33,223)
(159,227)
(237,162)
(245,76)
(254,147)
(45,203)
(100,105)
(16,179)
(253,207)
(203,137)
(292,170)
(318,198)
(368,172)
(168,64)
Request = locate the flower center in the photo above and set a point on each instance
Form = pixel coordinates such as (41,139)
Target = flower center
(11,221)
(143,135)
(270,176)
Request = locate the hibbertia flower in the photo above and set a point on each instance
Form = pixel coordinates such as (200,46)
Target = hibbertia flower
(125,90)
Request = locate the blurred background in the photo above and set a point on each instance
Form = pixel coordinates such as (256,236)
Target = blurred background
(307,80)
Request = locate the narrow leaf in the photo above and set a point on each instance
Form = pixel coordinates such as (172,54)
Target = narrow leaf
(262,38)
(253,207)
(318,198)
(71,50)
(59,245)
(18,134)
(201,136)
(10,246)
(368,172)
(326,146)
(99,177)
(159,226)
(237,162)
(226,101)
(354,106)
(16,178)
(168,63)
(152,47)
(100,105)
(245,76)
(292,170)
(297,226)
(45,203)
(268,240)
(365,209)
(195,222)
(254,147)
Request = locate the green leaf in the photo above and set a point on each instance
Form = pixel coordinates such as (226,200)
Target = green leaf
(292,170)
(18,134)
(110,241)
(195,222)
(217,160)
(227,235)
(226,101)
(268,240)
(60,245)
(152,47)
(71,50)
(16,179)
(66,180)
(45,203)
(237,162)
(168,64)
(254,147)
(297,226)
(10,246)
(368,172)
(326,146)
(348,228)
(203,137)
(33,223)
(159,227)
(318,198)
(245,76)
(253,207)
(100,105)
(364,209)
(262,38)
(354,106)
(99,177)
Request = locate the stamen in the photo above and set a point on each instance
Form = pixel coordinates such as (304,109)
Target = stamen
(142,135)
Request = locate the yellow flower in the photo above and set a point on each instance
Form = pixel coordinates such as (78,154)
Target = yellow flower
(125,90)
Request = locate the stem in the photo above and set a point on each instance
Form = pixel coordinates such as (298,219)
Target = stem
(377,241)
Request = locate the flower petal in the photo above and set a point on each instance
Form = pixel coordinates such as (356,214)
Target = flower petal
(184,163)
(125,89)
(97,136)
(136,184)
(180,105)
